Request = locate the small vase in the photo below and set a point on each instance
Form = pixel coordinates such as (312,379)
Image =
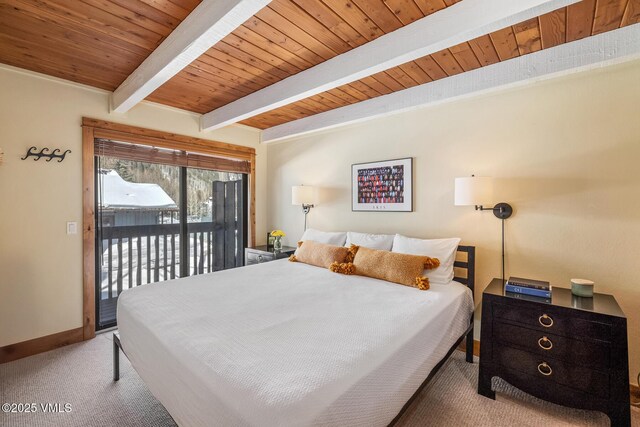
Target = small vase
(277,244)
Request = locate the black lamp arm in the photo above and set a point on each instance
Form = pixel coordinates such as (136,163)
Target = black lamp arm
(501,210)
(482,208)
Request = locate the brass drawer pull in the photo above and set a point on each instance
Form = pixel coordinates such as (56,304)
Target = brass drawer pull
(545,369)
(545,321)
(545,343)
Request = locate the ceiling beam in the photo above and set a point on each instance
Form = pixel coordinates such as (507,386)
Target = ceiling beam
(205,26)
(598,51)
(459,23)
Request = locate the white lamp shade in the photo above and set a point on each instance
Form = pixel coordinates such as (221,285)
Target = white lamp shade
(473,191)
(302,195)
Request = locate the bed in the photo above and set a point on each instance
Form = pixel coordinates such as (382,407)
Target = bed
(284,344)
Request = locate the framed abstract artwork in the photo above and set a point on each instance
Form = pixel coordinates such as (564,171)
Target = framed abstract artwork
(385,186)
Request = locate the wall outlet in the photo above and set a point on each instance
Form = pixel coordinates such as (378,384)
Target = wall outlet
(72,228)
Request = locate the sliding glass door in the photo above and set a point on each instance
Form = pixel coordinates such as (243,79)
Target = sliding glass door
(158,221)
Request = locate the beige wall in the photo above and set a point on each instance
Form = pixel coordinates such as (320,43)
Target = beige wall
(40,265)
(566,154)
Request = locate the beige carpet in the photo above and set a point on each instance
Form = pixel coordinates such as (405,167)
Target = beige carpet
(81,376)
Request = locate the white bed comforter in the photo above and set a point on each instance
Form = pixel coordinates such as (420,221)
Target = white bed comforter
(287,344)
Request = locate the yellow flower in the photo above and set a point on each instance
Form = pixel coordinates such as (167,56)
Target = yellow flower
(278,233)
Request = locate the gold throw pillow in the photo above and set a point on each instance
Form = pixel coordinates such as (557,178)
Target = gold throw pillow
(319,254)
(394,267)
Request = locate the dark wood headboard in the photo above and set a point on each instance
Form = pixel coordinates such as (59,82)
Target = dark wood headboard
(469,265)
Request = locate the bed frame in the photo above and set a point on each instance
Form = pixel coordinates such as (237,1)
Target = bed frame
(469,265)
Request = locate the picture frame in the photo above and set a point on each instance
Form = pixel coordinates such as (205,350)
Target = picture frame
(270,240)
(383,186)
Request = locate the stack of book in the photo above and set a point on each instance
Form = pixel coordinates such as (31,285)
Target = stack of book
(535,290)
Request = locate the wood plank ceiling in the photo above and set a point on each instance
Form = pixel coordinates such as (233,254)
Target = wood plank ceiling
(95,42)
(100,42)
(564,25)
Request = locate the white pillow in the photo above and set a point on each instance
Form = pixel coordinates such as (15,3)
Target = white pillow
(443,249)
(327,237)
(372,241)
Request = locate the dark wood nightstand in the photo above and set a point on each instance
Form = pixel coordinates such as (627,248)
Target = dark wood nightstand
(571,351)
(259,254)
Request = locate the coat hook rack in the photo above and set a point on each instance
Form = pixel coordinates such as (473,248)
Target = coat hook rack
(33,152)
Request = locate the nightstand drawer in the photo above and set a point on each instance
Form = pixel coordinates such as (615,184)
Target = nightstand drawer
(589,354)
(258,257)
(553,321)
(264,253)
(549,370)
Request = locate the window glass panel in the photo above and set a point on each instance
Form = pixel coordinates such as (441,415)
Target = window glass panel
(138,228)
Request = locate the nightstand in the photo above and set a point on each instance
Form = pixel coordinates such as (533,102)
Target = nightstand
(571,351)
(260,254)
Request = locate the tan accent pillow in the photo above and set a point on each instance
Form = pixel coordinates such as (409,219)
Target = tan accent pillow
(319,254)
(353,249)
(394,267)
(347,266)
(342,267)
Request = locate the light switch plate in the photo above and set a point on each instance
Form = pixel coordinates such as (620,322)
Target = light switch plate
(72,228)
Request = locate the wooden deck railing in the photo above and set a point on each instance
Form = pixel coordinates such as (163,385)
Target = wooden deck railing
(142,254)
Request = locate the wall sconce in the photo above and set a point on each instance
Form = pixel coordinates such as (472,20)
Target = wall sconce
(478,191)
(305,197)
